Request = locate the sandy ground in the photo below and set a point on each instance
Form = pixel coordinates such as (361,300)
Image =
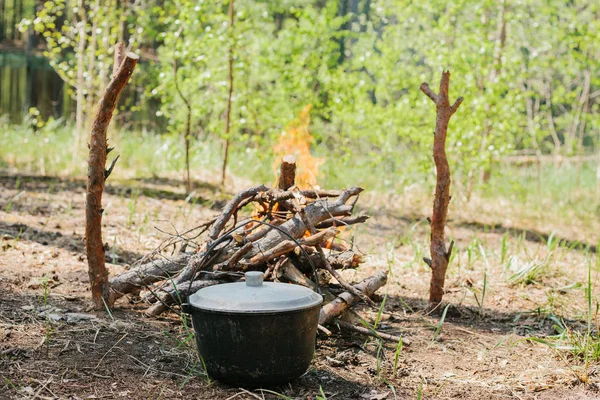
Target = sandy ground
(52,347)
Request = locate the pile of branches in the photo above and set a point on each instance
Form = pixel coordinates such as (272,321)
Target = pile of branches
(292,236)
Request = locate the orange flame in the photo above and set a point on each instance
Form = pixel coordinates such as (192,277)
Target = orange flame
(296,140)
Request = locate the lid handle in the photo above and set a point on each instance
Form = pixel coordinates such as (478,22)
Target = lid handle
(254,278)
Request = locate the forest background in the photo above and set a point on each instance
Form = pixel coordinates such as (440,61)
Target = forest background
(529,72)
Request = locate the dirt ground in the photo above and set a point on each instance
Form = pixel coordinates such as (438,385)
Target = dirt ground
(52,347)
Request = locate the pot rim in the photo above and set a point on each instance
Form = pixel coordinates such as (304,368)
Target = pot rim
(190,309)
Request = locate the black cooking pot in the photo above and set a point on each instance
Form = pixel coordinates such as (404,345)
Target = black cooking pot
(255,333)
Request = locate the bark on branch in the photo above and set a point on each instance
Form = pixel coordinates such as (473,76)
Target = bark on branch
(96,180)
(231,207)
(146,274)
(177,296)
(439,254)
(294,227)
(289,245)
(287,172)
(347,299)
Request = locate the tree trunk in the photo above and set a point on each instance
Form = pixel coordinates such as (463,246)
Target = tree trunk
(97,175)
(585,107)
(500,41)
(187,133)
(439,255)
(598,167)
(80,98)
(91,65)
(494,76)
(228,111)
(551,124)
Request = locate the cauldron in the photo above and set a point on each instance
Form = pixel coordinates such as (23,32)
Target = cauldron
(255,333)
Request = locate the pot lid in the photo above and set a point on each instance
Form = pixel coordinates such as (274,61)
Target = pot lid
(254,296)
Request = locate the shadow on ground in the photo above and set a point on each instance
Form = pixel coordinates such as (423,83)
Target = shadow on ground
(204,194)
(126,357)
(526,323)
(73,243)
(529,235)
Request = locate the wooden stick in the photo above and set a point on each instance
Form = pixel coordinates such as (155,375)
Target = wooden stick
(346,299)
(237,256)
(260,232)
(356,219)
(119,55)
(333,272)
(344,260)
(294,227)
(439,255)
(369,332)
(289,245)
(229,94)
(172,296)
(287,179)
(288,273)
(97,175)
(235,252)
(231,207)
(278,195)
(287,172)
(316,212)
(146,274)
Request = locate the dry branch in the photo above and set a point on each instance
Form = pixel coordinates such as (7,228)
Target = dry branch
(287,272)
(358,219)
(97,175)
(287,178)
(231,207)
(281,239)
(343,260)
(295,227)
(333,272)
(347,299)
(370,332)
(279,195)
(118,56)
(439,255)
(289,245)
(173,296)
(274,243)
(146,274)
(287,172)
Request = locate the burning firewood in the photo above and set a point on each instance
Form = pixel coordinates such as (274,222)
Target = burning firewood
(289,236)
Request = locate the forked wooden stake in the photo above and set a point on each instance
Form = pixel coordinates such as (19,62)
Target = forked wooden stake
(439,255)
(97,175)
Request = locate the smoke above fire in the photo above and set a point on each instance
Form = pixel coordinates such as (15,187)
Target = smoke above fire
(296,140)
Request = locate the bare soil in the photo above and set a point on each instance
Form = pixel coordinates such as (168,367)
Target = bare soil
(52,347)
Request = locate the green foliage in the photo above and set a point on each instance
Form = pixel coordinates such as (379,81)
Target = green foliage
(529,72)
(440,324)
(80,38)
(397,355)
(361,71)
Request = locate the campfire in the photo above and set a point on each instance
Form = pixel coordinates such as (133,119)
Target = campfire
(292,235)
